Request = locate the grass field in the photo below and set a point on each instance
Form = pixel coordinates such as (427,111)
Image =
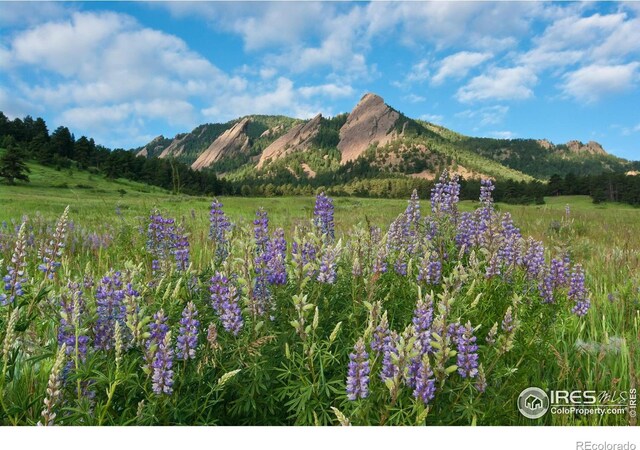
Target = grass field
(600,352)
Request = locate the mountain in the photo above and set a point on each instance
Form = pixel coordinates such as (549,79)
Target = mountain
(229,143)
(374,138)
(372,120)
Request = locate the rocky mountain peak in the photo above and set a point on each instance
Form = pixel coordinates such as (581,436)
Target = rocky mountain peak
(591,147)
(372,120)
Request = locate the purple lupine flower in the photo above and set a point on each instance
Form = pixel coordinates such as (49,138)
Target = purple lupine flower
(431,228)
(484,214)
(70,331)
(430,271)
(54,248)
(425,382)
(180,249)
(422,321)
(380,262)
(323,216)
(533,259)
(578,292)
(162,365)
(493,267)
(486,190)
(328,265)
(275,258)
(16,276)
(400,265)
(467,352)
(224,299)
(396,236)
(466,231)
(260,296)
(567,211)
(161,239)
(157,331)
(188,334)
(509,252)
(381,335)
(481,380)
(358,373)
(412,212)
(445,195)
(110,308)
(375,235)
(158,328)
(545,288)
(559,272)
(218,229)
(303,254)
(389,368)
(507,322)
(261,231)
(402,238)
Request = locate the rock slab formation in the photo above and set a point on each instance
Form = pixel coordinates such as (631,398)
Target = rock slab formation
(370,121)
(298,138)
(232,141)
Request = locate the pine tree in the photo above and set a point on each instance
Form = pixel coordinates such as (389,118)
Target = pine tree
(12,165)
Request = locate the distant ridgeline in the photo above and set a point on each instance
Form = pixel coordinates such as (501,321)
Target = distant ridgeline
(373,151)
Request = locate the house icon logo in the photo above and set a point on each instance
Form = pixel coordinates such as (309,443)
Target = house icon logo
(533,403)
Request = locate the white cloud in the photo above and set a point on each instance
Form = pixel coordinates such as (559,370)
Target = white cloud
(267,72)
(101,118)
(622,41)
(296,36)
(414,98)
(281,98)
(575,31)
(474,25)
(69,47)
(514,83)
(13,106)
(419,72)
(97,70)
(502,134)
(433,118)
(589,84)
(328,90)
(31,12)
(107,57)
(540,58)
(261,25)
(489,115)
(458,65)
(572,39)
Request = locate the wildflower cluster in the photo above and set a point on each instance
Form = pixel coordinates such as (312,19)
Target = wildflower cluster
(167,241)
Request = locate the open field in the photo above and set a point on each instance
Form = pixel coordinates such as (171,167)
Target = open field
(280,381)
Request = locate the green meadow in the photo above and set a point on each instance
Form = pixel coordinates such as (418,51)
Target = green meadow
(600,352)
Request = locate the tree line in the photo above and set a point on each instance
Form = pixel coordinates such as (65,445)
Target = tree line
(29,138)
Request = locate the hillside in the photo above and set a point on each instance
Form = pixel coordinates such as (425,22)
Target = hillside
(216,147)
(377,137)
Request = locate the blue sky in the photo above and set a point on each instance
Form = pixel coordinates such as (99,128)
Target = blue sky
(125,72)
